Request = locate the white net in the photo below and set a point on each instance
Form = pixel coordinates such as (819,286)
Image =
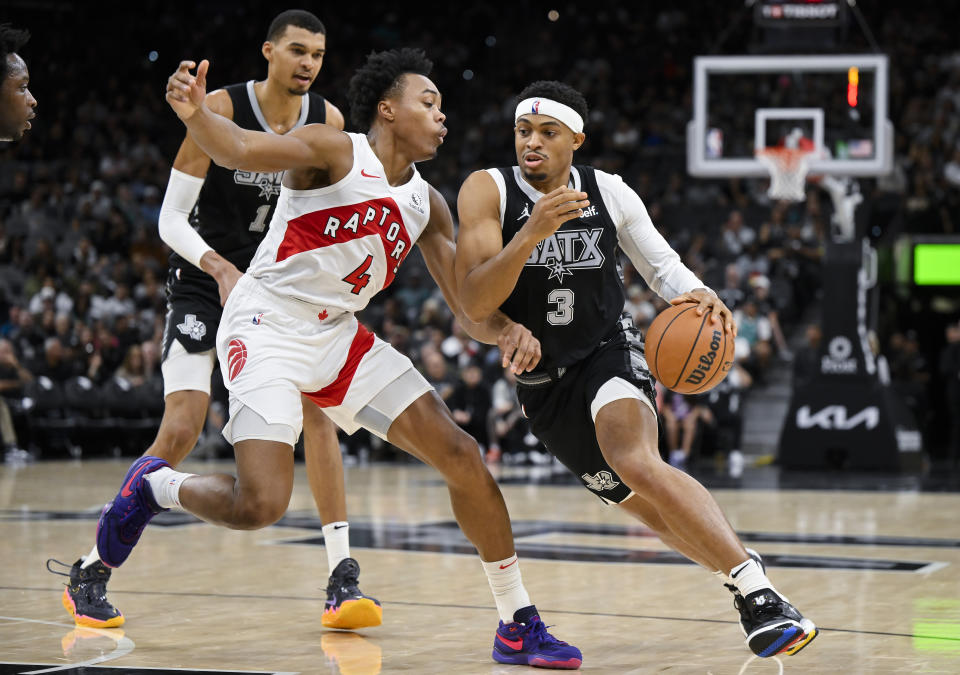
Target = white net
(788,172)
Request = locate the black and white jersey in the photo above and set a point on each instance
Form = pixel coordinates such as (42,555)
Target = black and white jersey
(570,292)
(235,206)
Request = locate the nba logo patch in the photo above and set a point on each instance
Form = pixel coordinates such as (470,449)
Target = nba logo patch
(236,357)
(257,319)
(536,107)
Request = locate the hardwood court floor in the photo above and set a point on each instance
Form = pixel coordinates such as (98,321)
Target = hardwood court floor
(878,571)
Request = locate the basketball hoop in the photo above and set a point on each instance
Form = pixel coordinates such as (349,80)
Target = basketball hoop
(788,169)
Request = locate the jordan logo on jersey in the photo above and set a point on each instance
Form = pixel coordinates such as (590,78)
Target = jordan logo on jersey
(269,183)
(565,251)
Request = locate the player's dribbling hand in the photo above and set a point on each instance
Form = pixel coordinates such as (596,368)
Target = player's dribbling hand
(520,351)
(709,302)
(554,209)
(186,92)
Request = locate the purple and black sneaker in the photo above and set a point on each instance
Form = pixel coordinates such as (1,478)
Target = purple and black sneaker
(525,641)
(122,520)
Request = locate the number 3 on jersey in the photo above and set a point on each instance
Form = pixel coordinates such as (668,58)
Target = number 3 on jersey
(563,298)
(359,278)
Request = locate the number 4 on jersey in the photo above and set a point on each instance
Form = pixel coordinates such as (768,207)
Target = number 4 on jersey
(359,277)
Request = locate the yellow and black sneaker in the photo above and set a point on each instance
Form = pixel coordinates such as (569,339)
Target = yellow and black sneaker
(346,606)
(85,596)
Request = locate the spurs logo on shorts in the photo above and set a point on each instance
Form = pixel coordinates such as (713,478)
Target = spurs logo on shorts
(190,326)
(236,357)
(602,480)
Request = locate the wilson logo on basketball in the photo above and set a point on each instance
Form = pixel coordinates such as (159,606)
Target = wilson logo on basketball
(236,357)
(706,361)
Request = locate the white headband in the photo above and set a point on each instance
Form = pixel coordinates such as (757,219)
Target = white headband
(555,109)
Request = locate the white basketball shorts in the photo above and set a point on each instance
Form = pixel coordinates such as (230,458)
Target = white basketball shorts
(183,371)
(272,348)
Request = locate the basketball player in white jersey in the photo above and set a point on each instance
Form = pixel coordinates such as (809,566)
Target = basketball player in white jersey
(214,219)
(555,267)
(350,209)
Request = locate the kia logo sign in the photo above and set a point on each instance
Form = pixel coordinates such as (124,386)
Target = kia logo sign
(836,417)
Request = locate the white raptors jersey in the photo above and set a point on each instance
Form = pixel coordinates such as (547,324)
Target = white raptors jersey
(335,247)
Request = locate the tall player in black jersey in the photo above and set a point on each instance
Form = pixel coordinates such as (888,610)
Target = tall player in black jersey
(214,219)
(539,242)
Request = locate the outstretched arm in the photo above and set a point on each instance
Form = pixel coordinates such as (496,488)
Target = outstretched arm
(487,270)
(318,146)
(518,348)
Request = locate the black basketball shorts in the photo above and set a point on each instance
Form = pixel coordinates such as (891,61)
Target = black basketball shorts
(560,416)
(193,313)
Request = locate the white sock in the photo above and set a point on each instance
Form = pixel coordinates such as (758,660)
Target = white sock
(749,577)
(507,586)
(93,557)
(336,539)
(165,483)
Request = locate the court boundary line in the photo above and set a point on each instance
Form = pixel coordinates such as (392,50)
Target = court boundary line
(319,599)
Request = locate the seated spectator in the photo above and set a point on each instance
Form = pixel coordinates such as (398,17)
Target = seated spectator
(132,369)
(470,403)
(755,329)
(435,371)
(13,377)
(50,296)
(57,363)
(736,237)
(720,416)
(507,427)
(679,420)
(760,286)
(732,292)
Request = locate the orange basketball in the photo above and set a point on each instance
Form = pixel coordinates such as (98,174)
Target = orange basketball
(686,353)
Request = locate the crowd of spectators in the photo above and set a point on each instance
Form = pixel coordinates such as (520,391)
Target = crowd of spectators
(82,269)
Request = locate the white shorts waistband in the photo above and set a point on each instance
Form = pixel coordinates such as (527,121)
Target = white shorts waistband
(288,305)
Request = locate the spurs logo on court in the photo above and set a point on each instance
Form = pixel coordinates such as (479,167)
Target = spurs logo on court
(269,183)
(602,480)
(190,326)
(236,357)
(565,251)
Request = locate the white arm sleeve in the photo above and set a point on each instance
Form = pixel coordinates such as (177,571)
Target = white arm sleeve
(658,264)
(175,229)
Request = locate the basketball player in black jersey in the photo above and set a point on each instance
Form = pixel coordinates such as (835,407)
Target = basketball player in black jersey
(539,242)
(17,104)
(214,219)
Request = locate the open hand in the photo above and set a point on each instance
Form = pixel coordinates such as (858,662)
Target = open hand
(520,351)
(186,92)
(708,301)
(554,209)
